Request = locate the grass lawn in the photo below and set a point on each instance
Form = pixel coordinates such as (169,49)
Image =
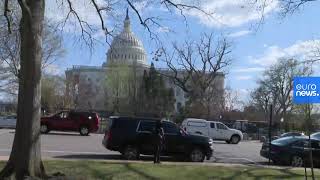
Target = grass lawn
(83,170)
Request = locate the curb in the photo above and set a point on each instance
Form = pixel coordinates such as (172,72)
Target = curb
(4,158)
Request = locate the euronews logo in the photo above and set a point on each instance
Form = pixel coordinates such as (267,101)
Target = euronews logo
(305,90)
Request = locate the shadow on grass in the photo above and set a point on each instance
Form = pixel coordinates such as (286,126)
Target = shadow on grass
(259,173)
(91,156)
(111,157)
(140,172)
(104,170)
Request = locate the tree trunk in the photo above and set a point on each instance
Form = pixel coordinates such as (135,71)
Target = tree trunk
(25,157)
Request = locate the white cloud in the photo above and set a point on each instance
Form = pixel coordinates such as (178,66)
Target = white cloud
(164,29)
(239,33)
(243,92)
(53,69)
(57,11)
(243,77)
(249,70)
(303,50)
(232,13)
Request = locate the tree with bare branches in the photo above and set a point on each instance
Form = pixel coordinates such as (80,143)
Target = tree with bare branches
(53,93)
(10,50)
(276,88)
(286,6)
(25,158)
(197,68)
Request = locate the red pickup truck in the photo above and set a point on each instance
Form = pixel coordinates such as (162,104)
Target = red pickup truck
(82,122)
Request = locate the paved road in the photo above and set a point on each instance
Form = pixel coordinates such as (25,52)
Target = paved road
(72,145)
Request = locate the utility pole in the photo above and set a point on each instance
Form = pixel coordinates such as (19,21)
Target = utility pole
(308,108)
(270,124)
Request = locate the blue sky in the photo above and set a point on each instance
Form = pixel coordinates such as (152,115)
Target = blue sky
(253,49)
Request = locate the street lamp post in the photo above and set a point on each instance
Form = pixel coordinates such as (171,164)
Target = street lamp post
(270,133)
(281,124)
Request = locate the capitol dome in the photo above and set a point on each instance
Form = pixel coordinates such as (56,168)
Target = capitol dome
(126,48)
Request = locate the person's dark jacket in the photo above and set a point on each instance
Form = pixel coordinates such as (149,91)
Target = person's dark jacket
(159,135)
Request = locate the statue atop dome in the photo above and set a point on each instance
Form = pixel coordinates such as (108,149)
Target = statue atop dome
(127,27)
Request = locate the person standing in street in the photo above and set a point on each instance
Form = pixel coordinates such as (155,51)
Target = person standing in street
(158,141)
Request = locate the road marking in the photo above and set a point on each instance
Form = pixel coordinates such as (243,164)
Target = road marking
(4,131)
(246,159)
(73,152)
(62,152)
(5,150)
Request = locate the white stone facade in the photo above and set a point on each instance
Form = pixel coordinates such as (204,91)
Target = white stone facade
(87,84)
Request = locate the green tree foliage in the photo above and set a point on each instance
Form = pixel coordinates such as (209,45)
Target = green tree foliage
(157,99)
(121,85)
(53,94)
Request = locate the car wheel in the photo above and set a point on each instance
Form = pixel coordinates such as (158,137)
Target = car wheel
(84,131)
(296,161)
(130,153)
(235,139)
(44,128)
(197,155)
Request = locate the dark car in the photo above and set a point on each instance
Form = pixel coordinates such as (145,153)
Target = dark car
(291,134)
(82,122)
(316,135)
(287,134)
(134,136)
(292,150)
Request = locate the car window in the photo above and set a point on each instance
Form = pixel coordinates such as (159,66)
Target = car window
(63,115)
(301,143)
(212,125)
(74,115)
(294,140)
(221,126)
(170,128)
(147,126)
(125,124)
(196,124)
(315,135)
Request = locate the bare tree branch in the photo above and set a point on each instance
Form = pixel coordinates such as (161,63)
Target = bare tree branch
(196,66)
(5,13)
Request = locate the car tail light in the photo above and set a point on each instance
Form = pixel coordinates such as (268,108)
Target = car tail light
(97,119)
(108,135)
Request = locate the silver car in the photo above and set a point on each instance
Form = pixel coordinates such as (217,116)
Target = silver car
(8,122)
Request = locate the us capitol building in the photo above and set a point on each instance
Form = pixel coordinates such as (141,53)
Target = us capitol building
(86,84)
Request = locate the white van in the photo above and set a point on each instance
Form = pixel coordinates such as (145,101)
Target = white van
(212,129)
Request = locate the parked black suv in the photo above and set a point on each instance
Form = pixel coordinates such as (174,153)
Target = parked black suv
(133,136)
